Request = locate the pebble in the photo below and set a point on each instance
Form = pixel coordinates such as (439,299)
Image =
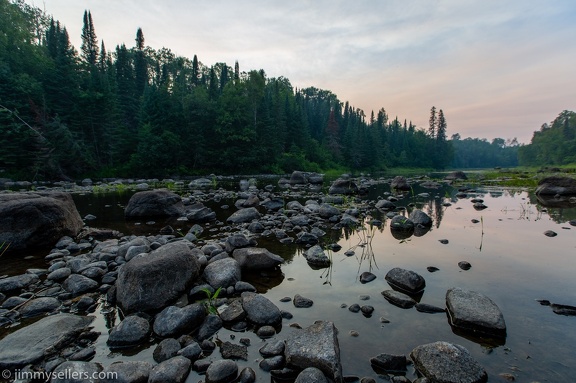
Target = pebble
(464,265)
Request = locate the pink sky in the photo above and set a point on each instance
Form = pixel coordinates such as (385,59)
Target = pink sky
(496,68)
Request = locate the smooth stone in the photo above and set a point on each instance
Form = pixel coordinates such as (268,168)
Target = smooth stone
(366,277)
(222,371)
(302,302)
(354,308)
(212,323)
(174,320)
(272,363)
(174,370)
(255,258)
(244,215)
(405,280)
(234,312)
(84,354)
(133,330)
(59,274)
(193,351)
(399,299)
(426,308)
(39,306)
(222,273)
(16,283)
(247,375)
(272,348)
(265,332)
(316,257)
(447,363)
(464,265)
(550,233)
(166,349)
(260,310)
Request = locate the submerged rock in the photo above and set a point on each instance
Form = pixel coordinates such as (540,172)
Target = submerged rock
(316,257)
(399,299)
(28,345)
(447,363)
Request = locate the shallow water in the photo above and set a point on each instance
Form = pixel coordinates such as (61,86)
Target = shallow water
(513,263)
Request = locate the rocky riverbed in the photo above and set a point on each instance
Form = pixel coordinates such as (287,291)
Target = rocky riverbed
(199,293)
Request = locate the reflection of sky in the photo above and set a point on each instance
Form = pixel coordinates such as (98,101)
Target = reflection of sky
(497,69)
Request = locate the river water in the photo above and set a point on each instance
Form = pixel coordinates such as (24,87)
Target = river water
(513,262)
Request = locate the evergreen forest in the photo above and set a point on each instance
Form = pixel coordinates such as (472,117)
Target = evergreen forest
(135,111)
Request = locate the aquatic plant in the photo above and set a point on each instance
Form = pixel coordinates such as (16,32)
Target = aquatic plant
(210,302)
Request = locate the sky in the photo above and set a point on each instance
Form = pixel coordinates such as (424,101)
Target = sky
(496,68)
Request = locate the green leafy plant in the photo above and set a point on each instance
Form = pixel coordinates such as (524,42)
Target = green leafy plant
(210,302)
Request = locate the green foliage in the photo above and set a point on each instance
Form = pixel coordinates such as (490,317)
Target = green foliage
(210,302)
(142,112)
(480,153)
(553,144)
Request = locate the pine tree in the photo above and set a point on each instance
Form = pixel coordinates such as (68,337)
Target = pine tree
(236,72)
(195,71)
(89,40)
(433,123)
(441,127)
(140,65)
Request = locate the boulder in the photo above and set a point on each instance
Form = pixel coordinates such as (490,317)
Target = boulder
(222,273)
(311,375)
(400,183)
(419,218)
(343,186)
(447,363)
(150,282)
(133,330)
(298,178)
(37,220)
(316,257)
(77,284)
(256,258)
(154,203)
(326,211)
(474,312)
(244,215)
(385,204)
(260,310)
(173,320)
(389,362)
(405,280)
(29,344)
(316,346)
(200,183)
(166,349)
(556,185)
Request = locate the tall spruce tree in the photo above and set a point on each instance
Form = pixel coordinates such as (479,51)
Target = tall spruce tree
(89,40)
(432,123)
(140,65)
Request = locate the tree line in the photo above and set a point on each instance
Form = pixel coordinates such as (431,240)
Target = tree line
(140,112)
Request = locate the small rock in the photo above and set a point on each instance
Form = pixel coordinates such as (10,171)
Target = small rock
(273,363)
(302,302)
(272,349)
(432,269)
(399,299)
(550,233)
(389,363)
(222,371)
(464,265)
(166,349)
(265,332)
(174,370)
(366,277)
(443,241)
(233,351)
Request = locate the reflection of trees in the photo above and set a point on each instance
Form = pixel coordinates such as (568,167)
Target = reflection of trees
(560,209)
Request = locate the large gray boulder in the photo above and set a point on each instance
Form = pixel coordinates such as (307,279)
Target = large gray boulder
(154,203)
(198,213)
(260,310)
(474,312)
(256,258)
(150,282)
(316,346)
(37,220)
(556,185)
(222,273)
(29,344)
(447,363)
(298,178)
(343,186)
(244,215)
(77,284)
(418,217)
